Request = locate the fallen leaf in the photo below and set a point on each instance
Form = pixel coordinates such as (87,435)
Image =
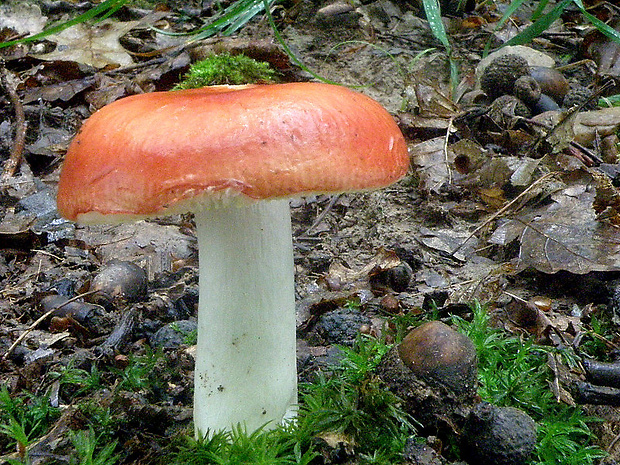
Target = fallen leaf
(433,163)
(95,45)
(23,18)
(597,123)
(563,235)
(432,102)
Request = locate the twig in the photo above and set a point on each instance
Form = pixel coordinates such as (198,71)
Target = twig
(503,210)
(321,216)
(445,149)
(8,82)
(120,334)
(41,319)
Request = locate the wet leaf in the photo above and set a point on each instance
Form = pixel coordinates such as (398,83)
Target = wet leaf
(447,242)
(433,102)
(598,123)
(607,199)
(63,91)
(383,260)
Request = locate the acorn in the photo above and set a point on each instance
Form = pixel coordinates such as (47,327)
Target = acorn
(528,90)
(551,82)
(545,103)
(503,110)
(441,356)
(121,279)
(499,77)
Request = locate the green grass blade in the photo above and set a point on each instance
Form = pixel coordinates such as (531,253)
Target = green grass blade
(233,18)
(288,50)
(539,26)
(103,10)
(514,6)
(604,28)
(509,12)
(539,9)
(433,16)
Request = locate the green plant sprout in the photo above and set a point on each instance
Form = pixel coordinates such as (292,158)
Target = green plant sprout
(348,399)
(24,418)
(226,69)
(140,374)
(273,447)
(88,450)
(433,16)
(78,378)
(190,338)
(17,432)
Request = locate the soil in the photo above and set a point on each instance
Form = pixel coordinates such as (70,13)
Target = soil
(433,237)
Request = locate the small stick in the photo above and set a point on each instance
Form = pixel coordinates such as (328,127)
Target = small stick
(602,373)
(321,216)
(8,82)
(588,393)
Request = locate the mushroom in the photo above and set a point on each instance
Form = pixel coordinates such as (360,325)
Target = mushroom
(233,155)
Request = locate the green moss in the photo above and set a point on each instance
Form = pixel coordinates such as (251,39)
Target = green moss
(227,69)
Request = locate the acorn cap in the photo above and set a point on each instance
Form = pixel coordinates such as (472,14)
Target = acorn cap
(499,77)
(580,95)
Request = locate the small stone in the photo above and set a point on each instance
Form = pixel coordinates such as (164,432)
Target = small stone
(173,335)
(399,277)
(418,451)
(390,304)
(341,326)
(337,14)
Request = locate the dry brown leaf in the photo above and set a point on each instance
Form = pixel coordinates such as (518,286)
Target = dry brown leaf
(433,163)
(384,260)
(607,200)
(564,235)
(23,18)
(598,123)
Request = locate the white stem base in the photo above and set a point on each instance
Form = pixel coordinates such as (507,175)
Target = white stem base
(245,360)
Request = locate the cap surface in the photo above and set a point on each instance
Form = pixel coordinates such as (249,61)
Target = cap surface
(164,152)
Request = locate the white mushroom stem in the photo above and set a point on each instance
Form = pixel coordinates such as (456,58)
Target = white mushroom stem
(245,361)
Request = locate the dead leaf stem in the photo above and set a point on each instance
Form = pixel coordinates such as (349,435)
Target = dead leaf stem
(445,149)
(320,217)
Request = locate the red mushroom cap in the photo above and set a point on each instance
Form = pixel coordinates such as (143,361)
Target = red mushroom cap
(158,153)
